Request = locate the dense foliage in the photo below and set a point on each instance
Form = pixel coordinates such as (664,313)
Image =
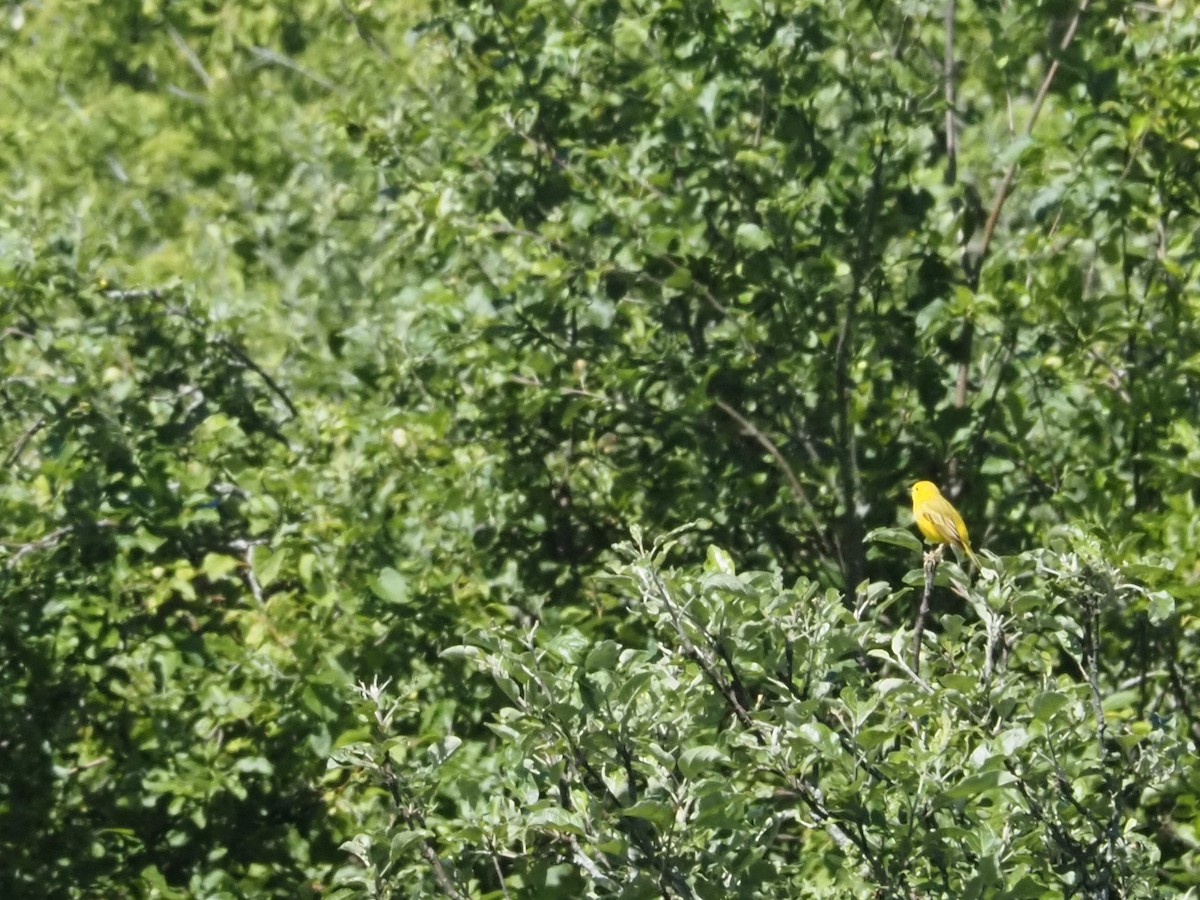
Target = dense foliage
(464,451)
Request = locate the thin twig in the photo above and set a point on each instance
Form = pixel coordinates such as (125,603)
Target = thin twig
(228,345)
(1002,192)
(917,680)
(528,381)
(190,55)
(439,871)
(19,447)
(1090,665)
(707,665)
(246,549)
(948,76)
(90,764)
(272,56)
(586,863)
(270,382)
(789,474)
(499,871)
(52,539)
(1061,836)
(135,294)
(974,267)
(365,33)
(849,476)
(932,559)
(995,640)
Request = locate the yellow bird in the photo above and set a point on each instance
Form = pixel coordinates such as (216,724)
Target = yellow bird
(938,520)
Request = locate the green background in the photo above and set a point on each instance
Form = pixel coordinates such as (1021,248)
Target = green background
(463,448)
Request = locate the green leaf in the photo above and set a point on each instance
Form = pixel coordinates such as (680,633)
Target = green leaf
(979,783)
(717,560)
(1047,704)
(695,762)
(997,465)
(444,749)
(900,537)
(217,565)
(820,736)
(751,237)
(661,814)
(603,656)
(268,564)
(556,819)
(1162,607)
(391,586)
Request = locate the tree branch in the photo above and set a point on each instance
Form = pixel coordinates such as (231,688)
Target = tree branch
(228,345)
(52,539)
(789,475)
(1006,181)
(932,559)
(951,174)
(19,447)
(974,267)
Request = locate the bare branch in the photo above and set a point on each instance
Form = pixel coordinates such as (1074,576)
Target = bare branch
(974,266)
(47,541)
(225,343)
(932,559)
(1006,181)
(19,447)
(948,76)
(191,57)
(266,54)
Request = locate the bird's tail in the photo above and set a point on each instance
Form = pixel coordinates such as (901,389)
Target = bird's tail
(971,555)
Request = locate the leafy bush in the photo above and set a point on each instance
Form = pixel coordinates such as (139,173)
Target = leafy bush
(748,739)
(344,347)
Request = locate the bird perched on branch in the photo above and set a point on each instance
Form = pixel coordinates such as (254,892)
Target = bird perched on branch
(938,520)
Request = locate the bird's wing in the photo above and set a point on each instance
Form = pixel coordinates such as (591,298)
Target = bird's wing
(944,521)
